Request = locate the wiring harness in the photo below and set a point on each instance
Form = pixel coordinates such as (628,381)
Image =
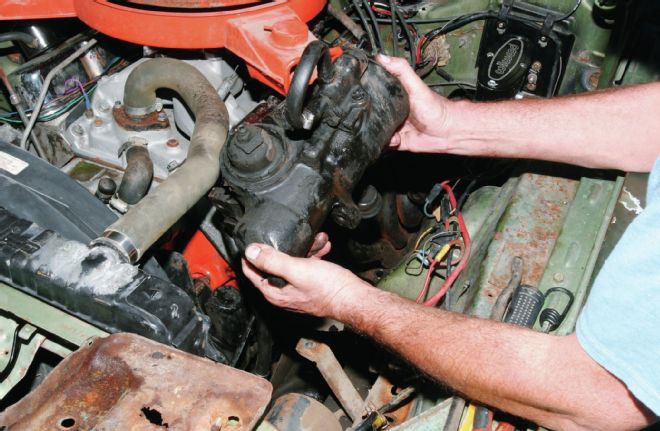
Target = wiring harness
(443,247)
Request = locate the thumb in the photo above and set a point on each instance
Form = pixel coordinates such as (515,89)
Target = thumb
(268,260)
(402,70)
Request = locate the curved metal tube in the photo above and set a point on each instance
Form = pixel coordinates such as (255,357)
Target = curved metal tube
(147,221)
(20,36)
(137,176)
(316,53)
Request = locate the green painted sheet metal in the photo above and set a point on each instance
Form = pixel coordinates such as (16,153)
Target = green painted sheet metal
(576,251)
(46,317)
(528,229)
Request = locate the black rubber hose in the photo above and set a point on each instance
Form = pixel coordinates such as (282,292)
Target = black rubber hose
(372,17)
(137,176)
(19,36)
(395,39)
(365,24)
(146,222)
(316,53)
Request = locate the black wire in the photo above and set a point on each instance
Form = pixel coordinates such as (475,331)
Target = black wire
(365,24)
(571,12)
(395,39)
(422,20)
(372,17)
(409,37)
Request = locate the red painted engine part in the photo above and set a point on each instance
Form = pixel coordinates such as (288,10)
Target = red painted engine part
(268,36)
(204,261)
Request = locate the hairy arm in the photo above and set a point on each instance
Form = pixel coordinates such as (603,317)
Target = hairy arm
(612,129)
(548,380)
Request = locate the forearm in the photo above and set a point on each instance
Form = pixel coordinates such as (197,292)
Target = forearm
(617,129)
(528,374)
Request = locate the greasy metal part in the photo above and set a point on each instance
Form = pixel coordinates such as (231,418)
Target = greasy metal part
(15,100)
(147,221)
(297,178)
(128,382)
(41,315)
(137,176)
(36,108)
(301,413)
(574,256)
(334,375)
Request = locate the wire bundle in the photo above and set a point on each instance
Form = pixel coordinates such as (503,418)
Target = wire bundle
(440,244)
(76,92)
(394,15)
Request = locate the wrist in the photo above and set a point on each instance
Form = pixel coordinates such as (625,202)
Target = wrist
(350,301)
(461,124)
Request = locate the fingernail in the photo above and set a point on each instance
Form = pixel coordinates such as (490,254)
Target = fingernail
(252,251)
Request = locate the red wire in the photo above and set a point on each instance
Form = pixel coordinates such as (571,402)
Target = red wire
(427,282)
(431,302)
(381,11)
(419,48)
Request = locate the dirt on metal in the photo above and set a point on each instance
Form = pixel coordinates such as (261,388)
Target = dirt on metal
(126,382)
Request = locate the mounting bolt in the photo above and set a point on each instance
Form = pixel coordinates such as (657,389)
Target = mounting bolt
(242,134)
(308,119)
(172,143)
(558,277)
(359,94)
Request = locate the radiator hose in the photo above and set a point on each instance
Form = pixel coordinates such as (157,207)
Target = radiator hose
(146,222)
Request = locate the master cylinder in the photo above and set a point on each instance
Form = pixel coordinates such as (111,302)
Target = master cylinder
(291,164)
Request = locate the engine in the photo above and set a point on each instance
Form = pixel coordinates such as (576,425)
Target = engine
(145,143)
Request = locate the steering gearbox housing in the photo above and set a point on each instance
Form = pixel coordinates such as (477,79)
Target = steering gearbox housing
(287,167)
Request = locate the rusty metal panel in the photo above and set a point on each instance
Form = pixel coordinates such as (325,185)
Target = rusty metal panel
(127,382)
(529,229)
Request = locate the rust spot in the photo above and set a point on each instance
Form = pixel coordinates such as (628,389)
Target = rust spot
(112,381)
(152,121)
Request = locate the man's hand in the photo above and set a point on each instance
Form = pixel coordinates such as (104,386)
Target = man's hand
(428,123)
(320,247)
(314,286)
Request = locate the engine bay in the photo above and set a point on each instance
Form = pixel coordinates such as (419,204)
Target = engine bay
(145,143)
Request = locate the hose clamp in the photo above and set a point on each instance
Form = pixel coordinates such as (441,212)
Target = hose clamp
(119,242)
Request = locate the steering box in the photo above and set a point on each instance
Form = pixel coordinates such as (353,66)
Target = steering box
(289,165)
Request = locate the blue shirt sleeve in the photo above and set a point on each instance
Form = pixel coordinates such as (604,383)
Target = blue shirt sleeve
(619,326)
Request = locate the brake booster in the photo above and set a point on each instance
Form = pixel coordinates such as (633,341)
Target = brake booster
(291,164)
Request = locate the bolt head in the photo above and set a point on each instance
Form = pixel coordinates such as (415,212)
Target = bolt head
(359,94)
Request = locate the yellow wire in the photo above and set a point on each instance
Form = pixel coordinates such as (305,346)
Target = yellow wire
(421,237)
(442,253)
(468,419)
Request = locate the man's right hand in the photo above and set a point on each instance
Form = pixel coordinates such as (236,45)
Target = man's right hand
(427,128)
